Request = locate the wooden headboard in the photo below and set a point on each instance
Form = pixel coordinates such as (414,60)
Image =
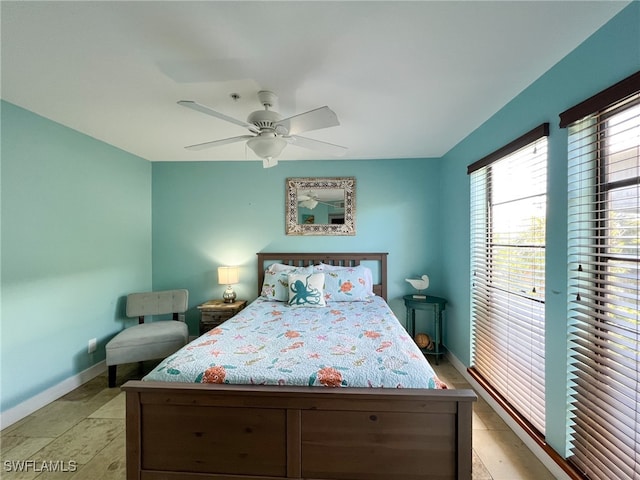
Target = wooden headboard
(341,259)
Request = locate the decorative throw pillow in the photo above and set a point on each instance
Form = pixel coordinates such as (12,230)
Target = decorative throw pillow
(276,283)
(347,284)
(306,289)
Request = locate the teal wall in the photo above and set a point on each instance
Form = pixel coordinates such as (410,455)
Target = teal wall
(207,214)
(76,237)
(78,228)
(610,55)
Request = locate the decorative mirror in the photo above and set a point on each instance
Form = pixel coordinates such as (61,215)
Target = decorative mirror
(321,206)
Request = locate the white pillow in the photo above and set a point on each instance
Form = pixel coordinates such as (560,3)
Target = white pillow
(276,283)
(306,290)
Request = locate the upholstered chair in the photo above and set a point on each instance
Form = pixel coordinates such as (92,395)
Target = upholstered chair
(151,340)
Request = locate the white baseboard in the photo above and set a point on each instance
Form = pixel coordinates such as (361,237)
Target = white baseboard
(531,444)
(22,410)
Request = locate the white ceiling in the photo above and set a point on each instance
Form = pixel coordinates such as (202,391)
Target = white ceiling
(406,79)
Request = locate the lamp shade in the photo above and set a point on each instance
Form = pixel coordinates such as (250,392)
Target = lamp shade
(228,275)
(267,145)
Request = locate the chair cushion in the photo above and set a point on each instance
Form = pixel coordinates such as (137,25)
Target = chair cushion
(147,341)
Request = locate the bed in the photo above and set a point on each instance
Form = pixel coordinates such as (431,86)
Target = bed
(290,429)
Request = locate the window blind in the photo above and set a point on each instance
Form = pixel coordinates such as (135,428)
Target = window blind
(604,294)
(508,213)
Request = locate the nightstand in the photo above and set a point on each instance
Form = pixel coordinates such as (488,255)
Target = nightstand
(214,312)
(433,304)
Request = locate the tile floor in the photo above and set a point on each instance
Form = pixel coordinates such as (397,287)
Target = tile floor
(503,454)
(87,427)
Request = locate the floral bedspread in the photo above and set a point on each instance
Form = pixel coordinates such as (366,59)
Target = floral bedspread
(346,344)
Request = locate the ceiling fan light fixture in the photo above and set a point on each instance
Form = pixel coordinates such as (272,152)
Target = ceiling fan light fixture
(267,146)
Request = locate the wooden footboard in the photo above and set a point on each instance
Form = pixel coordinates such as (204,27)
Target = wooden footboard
(196,431)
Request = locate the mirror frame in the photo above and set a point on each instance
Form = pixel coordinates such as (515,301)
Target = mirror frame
(292,226)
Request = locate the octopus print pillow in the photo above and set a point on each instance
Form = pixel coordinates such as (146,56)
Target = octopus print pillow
(306,290)
(276,285)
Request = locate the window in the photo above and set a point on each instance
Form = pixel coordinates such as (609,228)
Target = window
(508,214)
(604,298)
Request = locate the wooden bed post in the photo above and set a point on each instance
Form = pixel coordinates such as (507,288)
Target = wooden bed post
(464,427)
(133,436)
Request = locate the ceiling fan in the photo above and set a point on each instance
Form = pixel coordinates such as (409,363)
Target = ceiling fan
(310,200)
(270,133)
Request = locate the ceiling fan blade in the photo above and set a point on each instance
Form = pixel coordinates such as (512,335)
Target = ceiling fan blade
(216,143)
(324,147)
(209,111)
(322,117)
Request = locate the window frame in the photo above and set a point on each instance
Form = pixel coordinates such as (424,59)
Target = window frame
(599,328)
(488,163)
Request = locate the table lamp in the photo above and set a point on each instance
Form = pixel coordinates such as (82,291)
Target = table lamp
(228,276)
